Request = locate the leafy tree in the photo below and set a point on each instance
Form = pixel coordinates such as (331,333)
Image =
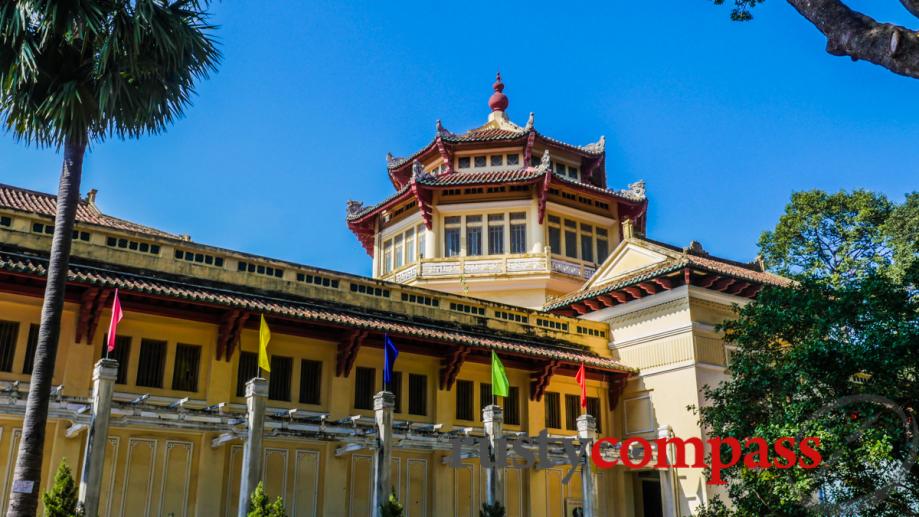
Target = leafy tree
(902,228)
(495,509)
(832,236)
(61,500)
(851,33)
(261,507)
(834,357)
(392,507)
(74,73)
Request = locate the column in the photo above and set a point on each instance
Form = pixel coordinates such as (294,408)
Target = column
(493,419)
(104,375)
(667,493)
(587,432)
(383,404)
(256,393)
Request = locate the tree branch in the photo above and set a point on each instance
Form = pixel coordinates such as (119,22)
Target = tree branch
(912,6)
(853,34)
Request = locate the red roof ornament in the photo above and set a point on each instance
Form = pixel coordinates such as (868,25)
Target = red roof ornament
(498,101)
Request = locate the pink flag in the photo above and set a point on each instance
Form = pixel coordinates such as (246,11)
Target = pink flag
(581,377)
(117,314)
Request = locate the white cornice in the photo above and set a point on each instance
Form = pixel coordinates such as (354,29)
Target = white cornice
(554,207)
(483,206)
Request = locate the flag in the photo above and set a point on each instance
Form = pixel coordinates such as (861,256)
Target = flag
(390,352)
(581,377)
(499,384)
(264,336)
(117,315)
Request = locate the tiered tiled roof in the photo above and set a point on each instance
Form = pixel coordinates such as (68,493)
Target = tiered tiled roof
(283,305)
(30,201)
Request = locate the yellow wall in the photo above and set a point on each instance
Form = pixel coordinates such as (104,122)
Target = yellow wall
(158,471)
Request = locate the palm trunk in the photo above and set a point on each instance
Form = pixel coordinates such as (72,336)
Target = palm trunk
(27,476)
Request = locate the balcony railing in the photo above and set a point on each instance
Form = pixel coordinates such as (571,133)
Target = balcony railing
(490,265)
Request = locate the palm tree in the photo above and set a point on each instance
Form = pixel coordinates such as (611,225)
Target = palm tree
(73,73)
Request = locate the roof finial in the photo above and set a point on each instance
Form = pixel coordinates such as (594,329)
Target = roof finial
(498,101)
(530,121)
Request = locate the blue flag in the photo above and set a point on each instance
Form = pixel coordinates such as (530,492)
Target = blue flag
(389,356)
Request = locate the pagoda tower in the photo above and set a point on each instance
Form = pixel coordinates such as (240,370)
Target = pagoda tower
(500,212)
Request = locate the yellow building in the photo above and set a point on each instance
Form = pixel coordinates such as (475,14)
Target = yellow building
(498,239)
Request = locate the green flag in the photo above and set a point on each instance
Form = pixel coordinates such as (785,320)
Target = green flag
(498,377)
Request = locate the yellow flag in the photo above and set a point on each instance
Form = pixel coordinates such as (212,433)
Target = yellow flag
(264,336)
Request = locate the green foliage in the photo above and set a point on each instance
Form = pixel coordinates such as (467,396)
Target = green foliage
(741,11)
(810,359)
(902,231)
(61,500)
(836,237)
(259,506)
(492,510)
(392,507)
(81,71)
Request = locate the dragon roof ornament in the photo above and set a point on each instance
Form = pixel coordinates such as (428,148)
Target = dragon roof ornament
(597,147)
(636,191)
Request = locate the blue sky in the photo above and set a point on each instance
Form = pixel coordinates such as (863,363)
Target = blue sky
(722,120)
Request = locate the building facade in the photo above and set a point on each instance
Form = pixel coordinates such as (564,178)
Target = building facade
(498,239)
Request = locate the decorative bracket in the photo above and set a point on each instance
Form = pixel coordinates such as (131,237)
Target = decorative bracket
(539,380)
(229,331)
(528,150)
(422,196)
(91,303)
(615,386)
(347,352)
(450,366)
(445,155)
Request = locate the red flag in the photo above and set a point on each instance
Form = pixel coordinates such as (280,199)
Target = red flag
(581,377)
(117,314)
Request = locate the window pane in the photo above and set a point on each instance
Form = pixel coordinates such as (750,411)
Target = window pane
(571,244)
(417,394)
(555,240)
(572,411)
(364,380)
(464,162)
(395,387)
(397,252)
(485,396)
(593,409)
(452,242)
(420,231)
(310,381)
(151,363)
(495,239)
(464,400)
(479,161)
(553,410)
(387,257)
(247,369)
(185,370)
(121,353)
(31,345)
(497,160)
(279,378)
(512,406)
(473,240)
(602,250)
(9,332)
(587,248)
(518,238)
(410,246)
(513,159)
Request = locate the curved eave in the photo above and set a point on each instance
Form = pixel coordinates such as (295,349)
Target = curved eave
(660,278)
(399,169)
